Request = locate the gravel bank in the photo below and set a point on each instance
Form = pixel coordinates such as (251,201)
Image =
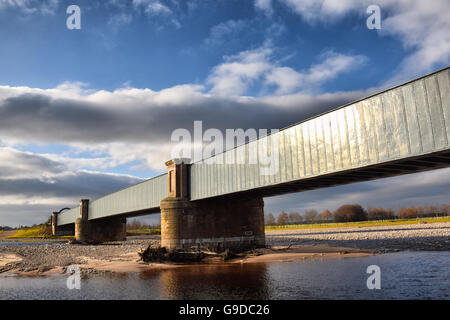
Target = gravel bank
(430,236)
(43,257)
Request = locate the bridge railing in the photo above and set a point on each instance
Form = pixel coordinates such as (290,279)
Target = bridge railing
(409,120)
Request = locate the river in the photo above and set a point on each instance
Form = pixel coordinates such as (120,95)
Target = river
(404,275)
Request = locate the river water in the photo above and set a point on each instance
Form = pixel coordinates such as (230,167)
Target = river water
(404,275)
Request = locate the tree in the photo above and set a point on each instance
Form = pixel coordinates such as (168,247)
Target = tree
(270,219)
(326,215)
(349,213)
(381,214)
(430,211)
(311,215)
(134,225)
(407,213)
(295,218)
(445,210)
(283,219)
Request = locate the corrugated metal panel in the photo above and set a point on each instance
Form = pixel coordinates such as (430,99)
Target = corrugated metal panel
(142,196)
(405,121)
(69,216)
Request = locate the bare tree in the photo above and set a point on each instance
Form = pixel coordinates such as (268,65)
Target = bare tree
(283,219)
(407,213)
(326,215)
(295,218)
(270,219)
(311,215)
(380,214)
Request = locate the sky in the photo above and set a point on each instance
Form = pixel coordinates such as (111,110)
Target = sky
(84,112)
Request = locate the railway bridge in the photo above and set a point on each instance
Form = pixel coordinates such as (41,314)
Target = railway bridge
(212,202)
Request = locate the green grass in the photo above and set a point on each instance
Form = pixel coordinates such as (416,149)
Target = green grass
(35,232)
(360,224)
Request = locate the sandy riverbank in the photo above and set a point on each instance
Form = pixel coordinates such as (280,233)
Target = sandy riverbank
(122,257)
(130,262)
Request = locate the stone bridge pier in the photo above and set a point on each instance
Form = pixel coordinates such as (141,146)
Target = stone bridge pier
(92,231)
(99,230)
(216,224)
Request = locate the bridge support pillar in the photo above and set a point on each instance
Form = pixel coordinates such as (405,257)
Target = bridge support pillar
(232,223)
(212,224)
(101,230)
(66,230)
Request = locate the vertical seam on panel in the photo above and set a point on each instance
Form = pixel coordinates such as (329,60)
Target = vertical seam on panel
(303,151)
(324,145)
(296,153)
(406,121)
(417,117)
(340,141)
(331,143)
(428,112)
(384,127)
(442,109)
(364,129)
(310,153)
(374,129)
(356,134)
(317,146)
(348,138)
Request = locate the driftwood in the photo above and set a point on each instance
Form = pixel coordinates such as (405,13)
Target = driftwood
(161,254)
(282,249)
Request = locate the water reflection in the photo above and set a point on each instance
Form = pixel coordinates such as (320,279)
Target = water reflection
(404,275)
(232,281)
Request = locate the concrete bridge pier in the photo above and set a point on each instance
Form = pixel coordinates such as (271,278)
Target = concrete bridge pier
(216,224)
(101,230)
(66,230)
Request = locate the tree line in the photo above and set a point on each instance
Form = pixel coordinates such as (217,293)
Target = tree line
(355,212)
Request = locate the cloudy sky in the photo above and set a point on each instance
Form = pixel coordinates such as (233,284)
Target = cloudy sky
(86,112)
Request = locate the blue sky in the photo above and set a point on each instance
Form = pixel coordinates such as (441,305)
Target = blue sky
(98,104)
(125,46)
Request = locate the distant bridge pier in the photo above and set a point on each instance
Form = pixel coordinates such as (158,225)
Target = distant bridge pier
(100,230)
(65,230)
(216,224)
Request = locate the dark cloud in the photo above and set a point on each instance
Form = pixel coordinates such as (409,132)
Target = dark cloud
(41,118)
(41,186)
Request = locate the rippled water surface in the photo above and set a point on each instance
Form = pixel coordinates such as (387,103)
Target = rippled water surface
(404,275)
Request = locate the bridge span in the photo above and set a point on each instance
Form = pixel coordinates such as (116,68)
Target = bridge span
(402,130)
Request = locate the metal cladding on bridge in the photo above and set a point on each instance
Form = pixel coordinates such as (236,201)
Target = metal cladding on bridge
(401,130)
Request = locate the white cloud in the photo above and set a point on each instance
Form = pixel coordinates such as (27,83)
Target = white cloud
(31,6)
(265,6)
(289,80)
(221,32)
(233,77)
(422,26)
(239,72)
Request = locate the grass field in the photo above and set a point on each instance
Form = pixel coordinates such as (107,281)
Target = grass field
(140,232)
(35,232)
(360,224)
